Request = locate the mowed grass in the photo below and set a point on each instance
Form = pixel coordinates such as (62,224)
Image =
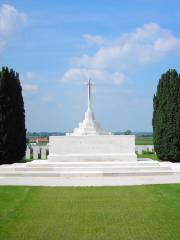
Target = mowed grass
(152,156)
(144,140)
(101,213)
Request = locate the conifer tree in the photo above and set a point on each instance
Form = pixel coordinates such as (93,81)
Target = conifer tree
(166,117)
(12,118)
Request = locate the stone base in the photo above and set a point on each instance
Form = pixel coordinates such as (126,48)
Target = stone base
(114,173)
(92,148)
(90,161)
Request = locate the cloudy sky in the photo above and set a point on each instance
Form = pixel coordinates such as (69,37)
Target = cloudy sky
(56,46)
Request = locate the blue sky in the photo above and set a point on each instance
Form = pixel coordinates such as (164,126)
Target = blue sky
(123,46)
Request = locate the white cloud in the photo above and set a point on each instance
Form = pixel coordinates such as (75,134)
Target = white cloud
(145,45)
(30,75)
(83,74)
(93,39)
(11,21)
(59,105)
(29,87)
(26,78)
(118,78)
(48,98)
(114,57)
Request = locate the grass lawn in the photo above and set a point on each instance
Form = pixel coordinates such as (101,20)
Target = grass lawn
(152,156)
(144,140)
(102,213)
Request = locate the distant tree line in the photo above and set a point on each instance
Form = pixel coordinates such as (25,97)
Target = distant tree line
(12,118)
(44,134)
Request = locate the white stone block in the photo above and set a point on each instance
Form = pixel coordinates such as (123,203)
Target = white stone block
(92,148)
(36,151)
(28,153)
(150,148)
(43,152)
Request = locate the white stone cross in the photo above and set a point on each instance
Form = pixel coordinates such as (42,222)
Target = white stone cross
(89,126)
(89,95)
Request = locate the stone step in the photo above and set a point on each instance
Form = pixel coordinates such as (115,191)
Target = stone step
(41,163)
(11,167)
(90,158)
(69,174)
(93,169)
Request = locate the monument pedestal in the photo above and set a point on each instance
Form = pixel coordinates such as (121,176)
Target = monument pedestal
(92,148)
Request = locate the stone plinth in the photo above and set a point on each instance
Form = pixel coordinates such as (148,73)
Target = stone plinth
(89,126)
(92,148)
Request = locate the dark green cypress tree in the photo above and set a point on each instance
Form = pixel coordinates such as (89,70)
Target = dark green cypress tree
(12,118)
(166,117)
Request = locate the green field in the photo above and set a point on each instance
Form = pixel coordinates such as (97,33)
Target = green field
(144,140)
(106,213)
